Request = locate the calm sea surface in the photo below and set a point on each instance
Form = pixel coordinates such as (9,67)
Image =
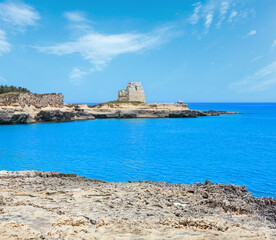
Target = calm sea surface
(238,149)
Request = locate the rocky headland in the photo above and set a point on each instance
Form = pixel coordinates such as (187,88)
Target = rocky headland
(18,107)
(117,109)
(50,205)
(31,108)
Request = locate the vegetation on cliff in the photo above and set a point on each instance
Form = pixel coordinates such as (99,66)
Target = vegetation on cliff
(7,89)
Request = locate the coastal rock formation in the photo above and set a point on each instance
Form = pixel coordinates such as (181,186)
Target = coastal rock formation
(12,116)
(133,93)
(49,205)
(148,110)
(30,108)
(63,115)
(54,100)
(141,106)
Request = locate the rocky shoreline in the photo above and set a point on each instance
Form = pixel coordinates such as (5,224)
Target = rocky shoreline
(49,205)
(23,108)
(19,115)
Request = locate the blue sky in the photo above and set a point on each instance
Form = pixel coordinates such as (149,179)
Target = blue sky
(197,51)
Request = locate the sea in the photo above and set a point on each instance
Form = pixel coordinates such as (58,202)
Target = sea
(237,149)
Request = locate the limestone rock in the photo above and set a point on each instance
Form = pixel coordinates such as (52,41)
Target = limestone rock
(186,114)
(61,115)
(32,100)
(51,205)
(12,116)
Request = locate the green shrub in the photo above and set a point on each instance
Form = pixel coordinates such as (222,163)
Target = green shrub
(8,89)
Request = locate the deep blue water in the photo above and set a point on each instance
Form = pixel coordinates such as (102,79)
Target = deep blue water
(238,149)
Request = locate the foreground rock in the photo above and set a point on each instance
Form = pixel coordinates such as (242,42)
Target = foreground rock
(48,205)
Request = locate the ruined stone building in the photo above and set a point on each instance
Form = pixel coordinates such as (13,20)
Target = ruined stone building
(133,93)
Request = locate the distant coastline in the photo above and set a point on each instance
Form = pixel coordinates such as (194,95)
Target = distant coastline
(25,107)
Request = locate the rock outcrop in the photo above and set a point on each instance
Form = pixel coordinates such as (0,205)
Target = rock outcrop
(148,110)
(54,100)
(30,108)
(62,115)
(141,106)
(49,205)
(13,116)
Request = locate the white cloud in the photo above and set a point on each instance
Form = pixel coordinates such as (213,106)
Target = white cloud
(232,16)
(252,32)
(18,13)
(195,16)
(78,22)
(99,49)
(217,11)
(208,11)
(223,11)
(4,45)
(77,75)
(259,81)
(75,16)
(209,19)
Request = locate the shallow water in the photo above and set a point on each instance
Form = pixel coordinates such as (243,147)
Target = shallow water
(238,149)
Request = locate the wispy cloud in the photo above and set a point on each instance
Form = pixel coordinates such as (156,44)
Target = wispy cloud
(223,11)
(259,81)
(18,13)
(194,18)
(99,48)
(77,75)
(209,19)
(75,16)
(4,45)
(216,12)
(15,16)
(252,32)
(232,16)
(78,22)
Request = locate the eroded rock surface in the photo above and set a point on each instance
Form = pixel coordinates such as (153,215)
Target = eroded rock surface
(48,205)
(32,100)
(18,115)
(30,114)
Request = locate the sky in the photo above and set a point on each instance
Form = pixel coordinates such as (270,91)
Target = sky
(195,51)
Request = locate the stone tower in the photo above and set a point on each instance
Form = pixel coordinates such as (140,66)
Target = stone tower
(133,93)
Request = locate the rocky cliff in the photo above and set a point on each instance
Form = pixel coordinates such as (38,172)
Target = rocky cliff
(32,100)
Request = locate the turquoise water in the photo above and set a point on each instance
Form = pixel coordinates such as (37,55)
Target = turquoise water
(238,149)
